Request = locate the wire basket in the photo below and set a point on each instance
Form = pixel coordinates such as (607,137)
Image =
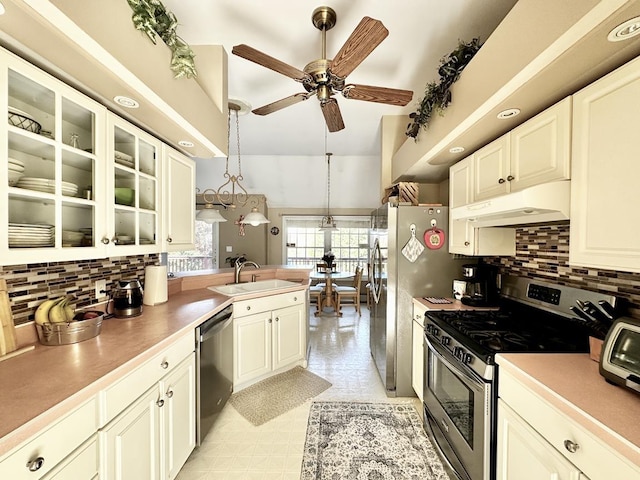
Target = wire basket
(69,332)
(24,123)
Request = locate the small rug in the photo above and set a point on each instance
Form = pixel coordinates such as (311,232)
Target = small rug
(276,395)
(368,441)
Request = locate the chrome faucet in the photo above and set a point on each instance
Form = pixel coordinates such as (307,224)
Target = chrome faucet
(239,266)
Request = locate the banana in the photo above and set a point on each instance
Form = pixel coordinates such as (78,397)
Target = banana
(57,313)
(42,312)
(70,312)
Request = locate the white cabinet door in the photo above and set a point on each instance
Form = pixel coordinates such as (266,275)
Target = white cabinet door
(523,454)
(131,443)
(491,169)
(180,201)
(134,189)
(252,352)
(541,148)
(461,183)
(605,220)
(179,416)
(289,333)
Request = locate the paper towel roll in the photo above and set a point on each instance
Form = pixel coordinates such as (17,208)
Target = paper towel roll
(155,285)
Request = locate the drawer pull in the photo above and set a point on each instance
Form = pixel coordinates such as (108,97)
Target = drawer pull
(35,465)
(572,447)
(248,307)
(169,393)
(160,403)
(164,365)
(501,181)
(295,299)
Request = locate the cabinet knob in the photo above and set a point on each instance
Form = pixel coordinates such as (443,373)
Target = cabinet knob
(466,244)
(572,447)
(169,393)
(169,239)
(164,365)
(277,319)
(248,307)
(270,321)
(114,240)
(295,299)
(160,402)
(105,240)
(501,180)
(35,465)
(510,177)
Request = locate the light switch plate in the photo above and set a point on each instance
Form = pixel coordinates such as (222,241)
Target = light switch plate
(229,249)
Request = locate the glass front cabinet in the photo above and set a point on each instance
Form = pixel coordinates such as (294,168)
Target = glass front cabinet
(76,181)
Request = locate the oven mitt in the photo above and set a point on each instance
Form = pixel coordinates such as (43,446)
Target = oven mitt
(413,248)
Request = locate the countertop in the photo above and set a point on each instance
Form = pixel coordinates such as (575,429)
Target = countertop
(572,383)
(41,385)
(454,305)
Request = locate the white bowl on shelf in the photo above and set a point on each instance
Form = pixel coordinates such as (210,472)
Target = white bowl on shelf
(14,177)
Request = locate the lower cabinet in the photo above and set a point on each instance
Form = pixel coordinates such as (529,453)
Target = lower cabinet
(269,340)
(524,455)
(154,436)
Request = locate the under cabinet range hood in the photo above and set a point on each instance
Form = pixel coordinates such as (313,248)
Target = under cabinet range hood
(549,202)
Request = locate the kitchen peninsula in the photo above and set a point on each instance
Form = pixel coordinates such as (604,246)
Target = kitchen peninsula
(49,385)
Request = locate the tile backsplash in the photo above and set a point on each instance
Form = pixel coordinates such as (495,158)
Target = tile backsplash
(30,284)
(542,252)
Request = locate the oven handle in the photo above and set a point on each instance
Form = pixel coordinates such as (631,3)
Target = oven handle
(461,369)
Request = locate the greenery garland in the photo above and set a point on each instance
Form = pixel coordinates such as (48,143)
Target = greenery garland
(437,96)
(152,18)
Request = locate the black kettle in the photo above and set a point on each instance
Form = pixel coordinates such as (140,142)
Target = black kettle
(127,298)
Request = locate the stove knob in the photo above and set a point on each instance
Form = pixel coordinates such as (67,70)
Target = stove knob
(457,351)
(435,331)
(445,340)
(468,358)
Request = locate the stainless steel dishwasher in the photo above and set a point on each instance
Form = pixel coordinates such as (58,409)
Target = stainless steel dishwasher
(214,372)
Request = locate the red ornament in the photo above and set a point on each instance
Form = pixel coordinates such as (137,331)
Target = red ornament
(434,238)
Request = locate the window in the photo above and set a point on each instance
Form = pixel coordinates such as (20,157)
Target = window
(306,243)
(205,255)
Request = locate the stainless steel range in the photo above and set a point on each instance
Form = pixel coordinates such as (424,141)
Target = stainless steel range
(460,384)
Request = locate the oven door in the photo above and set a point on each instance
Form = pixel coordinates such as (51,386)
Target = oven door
(459,410)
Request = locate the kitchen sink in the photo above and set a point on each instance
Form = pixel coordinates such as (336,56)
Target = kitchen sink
(253,287)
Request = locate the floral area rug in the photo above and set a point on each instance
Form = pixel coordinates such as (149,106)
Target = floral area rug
(368,441)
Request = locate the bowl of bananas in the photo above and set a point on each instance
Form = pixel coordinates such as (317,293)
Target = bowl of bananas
(58,323)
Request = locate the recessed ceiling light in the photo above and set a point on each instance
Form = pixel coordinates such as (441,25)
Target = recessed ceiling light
(1,9)
(125,101)
(456,150)
(508,113)
(185,143)
(242,106)
(625,30)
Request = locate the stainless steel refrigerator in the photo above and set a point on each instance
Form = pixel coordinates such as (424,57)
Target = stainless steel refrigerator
(396,280)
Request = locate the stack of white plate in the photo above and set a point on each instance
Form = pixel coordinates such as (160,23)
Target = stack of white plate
(31,235)
(124,159)
(46,185)
(16,170)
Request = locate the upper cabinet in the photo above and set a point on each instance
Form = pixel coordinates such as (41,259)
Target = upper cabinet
(79,182)
(135,168)
(51,182)
(180,206)
(536,152)
(605,226)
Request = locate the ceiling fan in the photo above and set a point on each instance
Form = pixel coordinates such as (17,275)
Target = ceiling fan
(325,77)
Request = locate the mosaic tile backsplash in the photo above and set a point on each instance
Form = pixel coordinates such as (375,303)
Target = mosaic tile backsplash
(542,252)
(31,284)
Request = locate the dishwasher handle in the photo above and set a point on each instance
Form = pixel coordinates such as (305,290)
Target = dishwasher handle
(215,324)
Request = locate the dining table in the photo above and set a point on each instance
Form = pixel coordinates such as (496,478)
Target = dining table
(329,298)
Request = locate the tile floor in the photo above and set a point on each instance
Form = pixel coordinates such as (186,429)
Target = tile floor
(237,450)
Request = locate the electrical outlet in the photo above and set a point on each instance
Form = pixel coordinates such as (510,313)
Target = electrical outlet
(100,289)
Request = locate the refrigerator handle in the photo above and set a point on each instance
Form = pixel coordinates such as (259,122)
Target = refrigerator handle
(376,265)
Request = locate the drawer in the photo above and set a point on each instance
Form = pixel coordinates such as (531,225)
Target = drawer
(52,445)
(594,458)
(81,464)
(118,396)
(242,308)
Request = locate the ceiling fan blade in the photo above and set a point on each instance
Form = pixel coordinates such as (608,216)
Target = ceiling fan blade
(332,115)
(256,56)
(365,38)
(368,93)
(282,103)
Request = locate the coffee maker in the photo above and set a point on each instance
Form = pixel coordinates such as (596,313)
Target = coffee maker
(480,285)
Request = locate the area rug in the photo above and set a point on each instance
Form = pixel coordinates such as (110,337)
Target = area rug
(368,441)
(276,395)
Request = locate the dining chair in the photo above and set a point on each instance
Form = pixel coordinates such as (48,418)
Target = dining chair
(316,293)
(351,293)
